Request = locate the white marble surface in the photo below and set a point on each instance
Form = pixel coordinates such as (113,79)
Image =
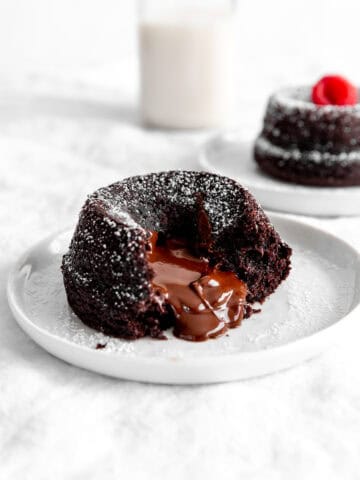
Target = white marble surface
(70,130)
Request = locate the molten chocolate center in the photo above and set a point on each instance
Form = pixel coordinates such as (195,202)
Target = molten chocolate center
(205,300)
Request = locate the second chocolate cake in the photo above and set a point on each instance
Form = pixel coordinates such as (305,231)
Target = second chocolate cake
(310,144)
(188,250)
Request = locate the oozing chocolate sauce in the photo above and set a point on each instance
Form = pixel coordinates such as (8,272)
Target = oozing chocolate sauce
(205,300)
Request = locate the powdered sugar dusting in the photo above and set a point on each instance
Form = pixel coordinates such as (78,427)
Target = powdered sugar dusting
(135,200)
(299,98)
(265,147)
(121,217)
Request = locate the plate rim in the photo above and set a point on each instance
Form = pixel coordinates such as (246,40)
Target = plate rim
(317,341)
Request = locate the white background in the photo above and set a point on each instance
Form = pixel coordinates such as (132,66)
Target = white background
(68,83)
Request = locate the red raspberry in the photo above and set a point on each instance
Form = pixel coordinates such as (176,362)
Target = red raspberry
(334,90)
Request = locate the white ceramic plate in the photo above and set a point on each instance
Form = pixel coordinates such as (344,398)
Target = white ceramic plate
(306,314)
(229,155)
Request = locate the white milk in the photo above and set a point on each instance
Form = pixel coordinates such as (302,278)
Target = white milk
(187,71)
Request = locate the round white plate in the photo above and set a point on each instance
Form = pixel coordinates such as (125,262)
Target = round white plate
(229,155)
(306,314)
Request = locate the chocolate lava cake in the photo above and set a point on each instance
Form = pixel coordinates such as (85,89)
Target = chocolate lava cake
(311,136)
(182,249)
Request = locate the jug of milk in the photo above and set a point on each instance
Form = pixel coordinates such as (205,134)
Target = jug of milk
(187,63)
